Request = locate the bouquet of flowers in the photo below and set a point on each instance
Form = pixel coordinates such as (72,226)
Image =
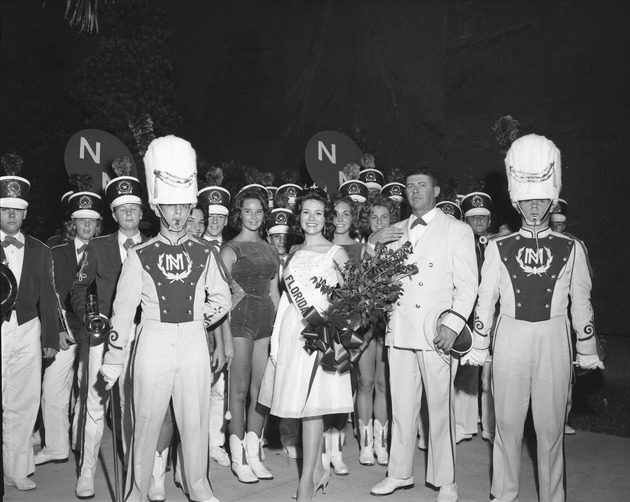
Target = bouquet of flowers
(367,294)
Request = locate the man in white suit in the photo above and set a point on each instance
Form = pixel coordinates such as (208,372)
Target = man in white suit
(419,353)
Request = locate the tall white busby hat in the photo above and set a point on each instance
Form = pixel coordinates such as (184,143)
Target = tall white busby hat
(13,189)
(170,164)
(533,169)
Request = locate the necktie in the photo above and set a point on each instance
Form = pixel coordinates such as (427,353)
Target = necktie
(419,221)
(81,249)
(10,240)
(128,243)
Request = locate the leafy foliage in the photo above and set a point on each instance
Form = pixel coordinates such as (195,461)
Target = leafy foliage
(370,287)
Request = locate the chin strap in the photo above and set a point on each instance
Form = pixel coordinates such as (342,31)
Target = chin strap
(168,225)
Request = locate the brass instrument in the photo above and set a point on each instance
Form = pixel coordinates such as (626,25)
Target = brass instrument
(96,325)
(8,290)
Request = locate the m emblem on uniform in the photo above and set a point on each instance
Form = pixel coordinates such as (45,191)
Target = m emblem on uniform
(175,267)
(534,261)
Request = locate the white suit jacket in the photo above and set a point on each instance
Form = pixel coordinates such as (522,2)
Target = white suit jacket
(446,279)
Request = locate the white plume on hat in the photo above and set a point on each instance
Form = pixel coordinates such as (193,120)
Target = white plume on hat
(534,169)
(170,164)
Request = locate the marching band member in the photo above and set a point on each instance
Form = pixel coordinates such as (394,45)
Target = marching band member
(85,213)
(534,273)
(179,284)
(101,265)
(30,329)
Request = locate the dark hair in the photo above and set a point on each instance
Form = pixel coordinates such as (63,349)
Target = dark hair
(417,171)
(356,210)
(379,200)
(237,205)
(320,195)
(71,229)
(204,210)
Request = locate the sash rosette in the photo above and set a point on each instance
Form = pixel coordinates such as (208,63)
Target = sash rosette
(339,351)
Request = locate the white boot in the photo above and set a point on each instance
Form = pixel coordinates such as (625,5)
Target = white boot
(254,456)
(157,491)
(327,449)
(338,438)
(366,440)
(380,442)
(240,467)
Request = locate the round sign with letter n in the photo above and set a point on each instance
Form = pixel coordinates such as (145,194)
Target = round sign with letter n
(327,153)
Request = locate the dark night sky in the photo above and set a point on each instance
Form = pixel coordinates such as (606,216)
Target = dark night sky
(423,80)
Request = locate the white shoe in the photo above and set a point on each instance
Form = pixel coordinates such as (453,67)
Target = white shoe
(390,485)
(22,484)
(366,441)
(293,451)
(44,456)
(422,443)
(85,487)
(254,456)
(380,442)
(448,493)
(220,456)
(336,459)
(240,467)
(157,490)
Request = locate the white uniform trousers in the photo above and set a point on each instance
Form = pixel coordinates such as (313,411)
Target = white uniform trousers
(466,400)
(530,360)
(96,408)
(217,410)
(56,391)
(487,400)
(411,372)
(170,360)
(21,387)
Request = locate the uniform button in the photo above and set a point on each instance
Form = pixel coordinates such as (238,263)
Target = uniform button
(513,276)
(430,264)
(500,244)
(417,306)
(192,283)
(147,267)
(518,237)
(519,305)
(551,237)
(190,312)
(164,312)
(163,297)
(564,259)
(398,303)
(420,284)
(548,290)
(505,258)
(553,276)
(159,283)
(518,291)
(547,306)
(190,297)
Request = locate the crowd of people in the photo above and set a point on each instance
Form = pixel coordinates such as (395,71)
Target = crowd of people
(192,333)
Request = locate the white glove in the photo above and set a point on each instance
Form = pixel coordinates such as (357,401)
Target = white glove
(476,357)
(110,373)
(589,362)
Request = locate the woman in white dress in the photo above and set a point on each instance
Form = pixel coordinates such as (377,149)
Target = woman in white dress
(301,388)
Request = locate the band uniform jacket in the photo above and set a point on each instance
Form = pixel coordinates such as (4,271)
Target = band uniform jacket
(36,291)
(101,264)
(447,278)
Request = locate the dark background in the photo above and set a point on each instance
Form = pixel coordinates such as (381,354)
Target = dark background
(417,82)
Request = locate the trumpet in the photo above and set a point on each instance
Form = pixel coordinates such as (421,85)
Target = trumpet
(96,325)
(9,290)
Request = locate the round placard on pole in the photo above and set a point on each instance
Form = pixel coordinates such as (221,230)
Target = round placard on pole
(327,153)
(92,151)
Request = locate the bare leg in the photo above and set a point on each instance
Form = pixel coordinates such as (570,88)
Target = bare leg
(365,392)
(380,395)
(240,376)
(256,413)
(312,431)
